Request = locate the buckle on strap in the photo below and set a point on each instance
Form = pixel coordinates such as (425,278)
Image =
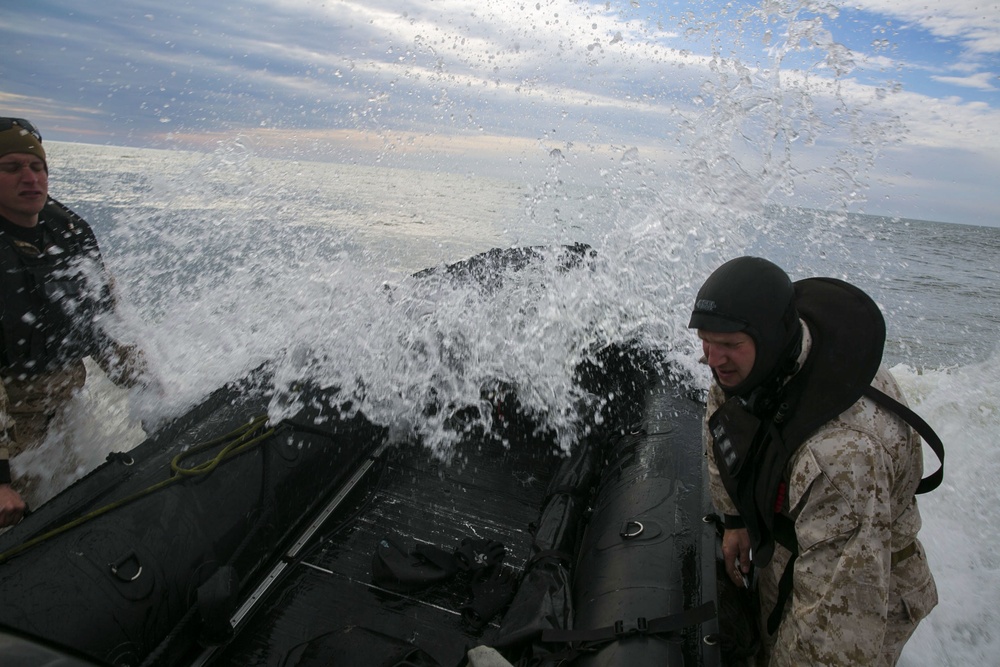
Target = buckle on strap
(641,628)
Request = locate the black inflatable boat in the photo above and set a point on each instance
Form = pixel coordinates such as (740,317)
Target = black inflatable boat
(226,539)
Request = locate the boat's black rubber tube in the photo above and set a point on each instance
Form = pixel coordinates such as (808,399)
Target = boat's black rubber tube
(643,562)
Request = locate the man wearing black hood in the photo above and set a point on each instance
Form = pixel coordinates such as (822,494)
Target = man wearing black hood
(815,475)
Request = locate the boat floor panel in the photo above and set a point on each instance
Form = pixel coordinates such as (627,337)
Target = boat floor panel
(327,604)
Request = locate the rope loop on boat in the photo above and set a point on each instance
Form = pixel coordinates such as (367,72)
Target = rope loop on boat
(235,442)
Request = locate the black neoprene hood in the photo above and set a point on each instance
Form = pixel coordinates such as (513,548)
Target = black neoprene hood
(752,295)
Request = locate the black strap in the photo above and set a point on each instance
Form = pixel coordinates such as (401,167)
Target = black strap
(784,592)
(657,626)
(933,480)
(4,463)
(553,556)
(784,534)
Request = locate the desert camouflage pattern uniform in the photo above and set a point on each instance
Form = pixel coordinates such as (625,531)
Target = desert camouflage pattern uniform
(28,407)
(859,588)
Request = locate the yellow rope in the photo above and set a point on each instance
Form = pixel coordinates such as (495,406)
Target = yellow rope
(242,439)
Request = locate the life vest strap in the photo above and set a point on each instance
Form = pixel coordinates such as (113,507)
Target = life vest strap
(933,480)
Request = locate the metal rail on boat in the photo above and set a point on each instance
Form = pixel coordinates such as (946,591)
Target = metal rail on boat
(307,534)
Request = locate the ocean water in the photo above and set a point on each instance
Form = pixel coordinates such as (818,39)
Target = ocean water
(227,260)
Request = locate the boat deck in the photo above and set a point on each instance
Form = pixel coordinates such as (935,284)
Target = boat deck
(327,604)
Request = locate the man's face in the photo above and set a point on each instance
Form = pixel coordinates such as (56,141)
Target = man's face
(729,355)
(24,187)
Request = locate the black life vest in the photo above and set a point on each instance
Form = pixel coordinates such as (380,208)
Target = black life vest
(51,296)
(752,451)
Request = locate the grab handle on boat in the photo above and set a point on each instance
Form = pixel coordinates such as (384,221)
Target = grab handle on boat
(130,556)
(631,528)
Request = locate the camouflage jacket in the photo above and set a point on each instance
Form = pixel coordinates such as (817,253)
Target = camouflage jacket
(851,494)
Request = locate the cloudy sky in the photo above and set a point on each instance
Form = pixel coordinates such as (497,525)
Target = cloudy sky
(884,106)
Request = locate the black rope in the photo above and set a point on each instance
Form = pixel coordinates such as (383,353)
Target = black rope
(236,442)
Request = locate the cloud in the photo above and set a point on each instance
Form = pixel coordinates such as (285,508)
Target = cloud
(369,78)
(973,23)
(980,81)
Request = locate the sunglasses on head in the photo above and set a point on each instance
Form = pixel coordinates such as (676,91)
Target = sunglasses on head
(8,123)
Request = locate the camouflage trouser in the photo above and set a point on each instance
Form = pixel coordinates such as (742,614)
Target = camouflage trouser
(911,598)
(32,404)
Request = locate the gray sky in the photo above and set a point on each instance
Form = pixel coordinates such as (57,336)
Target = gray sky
(885,106)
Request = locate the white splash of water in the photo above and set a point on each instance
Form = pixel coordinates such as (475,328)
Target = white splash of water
(961,517)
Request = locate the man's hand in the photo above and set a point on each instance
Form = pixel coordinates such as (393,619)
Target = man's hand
(736,554)
(11,506)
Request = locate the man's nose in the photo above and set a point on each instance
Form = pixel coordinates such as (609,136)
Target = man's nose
(30,174)
(712,354)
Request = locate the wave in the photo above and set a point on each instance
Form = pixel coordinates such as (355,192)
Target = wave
(961,517)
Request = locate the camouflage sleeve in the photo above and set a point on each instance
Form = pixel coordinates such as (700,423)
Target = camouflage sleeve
(839,490)
(720,497)
(6,421)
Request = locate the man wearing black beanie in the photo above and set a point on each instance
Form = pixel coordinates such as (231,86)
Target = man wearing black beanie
(54,296)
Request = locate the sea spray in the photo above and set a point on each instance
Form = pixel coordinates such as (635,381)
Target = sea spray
(961,517)
(230,260)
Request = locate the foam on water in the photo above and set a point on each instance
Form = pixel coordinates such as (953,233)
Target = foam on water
(962,517)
